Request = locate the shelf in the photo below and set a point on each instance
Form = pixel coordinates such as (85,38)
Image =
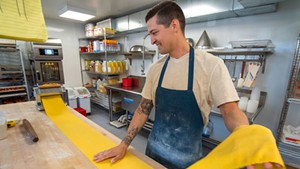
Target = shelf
(244,54)
(102,53)
(246,92)
(290,153)
(294,100)
(246,51)
(13,95)
(103,74)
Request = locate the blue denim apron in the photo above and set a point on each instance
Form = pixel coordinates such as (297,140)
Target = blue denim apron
(176,137)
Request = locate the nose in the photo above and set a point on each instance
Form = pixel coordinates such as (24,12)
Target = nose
(153,40)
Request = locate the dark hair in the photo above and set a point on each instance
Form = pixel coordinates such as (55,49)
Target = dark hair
(166,11)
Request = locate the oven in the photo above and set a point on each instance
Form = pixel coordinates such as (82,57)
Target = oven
(47,64)
(49,72)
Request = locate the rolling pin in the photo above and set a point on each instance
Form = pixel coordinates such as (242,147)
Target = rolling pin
(30,130)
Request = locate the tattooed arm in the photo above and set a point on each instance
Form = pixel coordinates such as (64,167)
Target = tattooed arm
(139,119)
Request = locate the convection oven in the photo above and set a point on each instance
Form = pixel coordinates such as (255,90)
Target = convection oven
(47,63)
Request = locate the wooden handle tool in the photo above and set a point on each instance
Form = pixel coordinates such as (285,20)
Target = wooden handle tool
(30,130)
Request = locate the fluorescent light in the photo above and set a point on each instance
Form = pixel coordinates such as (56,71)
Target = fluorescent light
(76,13)
(199,10)
(49,28)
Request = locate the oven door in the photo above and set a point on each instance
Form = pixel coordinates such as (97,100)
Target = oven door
(49,72)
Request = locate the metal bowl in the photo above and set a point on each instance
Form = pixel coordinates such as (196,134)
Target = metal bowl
(137,49)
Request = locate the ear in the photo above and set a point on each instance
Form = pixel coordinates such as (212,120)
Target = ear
(175,25)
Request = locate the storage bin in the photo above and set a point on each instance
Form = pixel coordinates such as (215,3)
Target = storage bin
(81,111)
(84,98)
(72,95)
(126,82)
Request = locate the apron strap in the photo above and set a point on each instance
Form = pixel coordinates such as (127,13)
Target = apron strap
(191,70)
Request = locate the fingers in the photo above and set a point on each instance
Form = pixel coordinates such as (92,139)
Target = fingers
(250,167)
(268,165)
(117,158)
(103,155)
(278,165)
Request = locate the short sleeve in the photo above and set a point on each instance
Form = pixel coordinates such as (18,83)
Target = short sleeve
(221,89)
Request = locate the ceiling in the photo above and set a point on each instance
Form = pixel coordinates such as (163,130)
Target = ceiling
(104,8)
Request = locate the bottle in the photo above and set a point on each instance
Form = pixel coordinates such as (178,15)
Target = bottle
(208,129)
(104,64)
(97,66)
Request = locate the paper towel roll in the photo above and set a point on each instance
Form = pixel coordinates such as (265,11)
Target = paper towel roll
(240,82)
(252,106)
(255,93)
(3,126)
(243,103)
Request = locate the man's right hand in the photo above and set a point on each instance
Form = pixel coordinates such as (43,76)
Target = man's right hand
(116,153)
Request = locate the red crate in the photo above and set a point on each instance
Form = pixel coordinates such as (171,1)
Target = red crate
(81,111)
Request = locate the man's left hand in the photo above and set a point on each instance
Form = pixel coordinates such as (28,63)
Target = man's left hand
(266,165)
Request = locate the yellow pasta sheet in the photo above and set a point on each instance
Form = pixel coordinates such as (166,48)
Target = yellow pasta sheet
(22,20)
(247,145)
(85,137)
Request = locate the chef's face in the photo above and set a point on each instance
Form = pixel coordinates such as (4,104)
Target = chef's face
(160,35)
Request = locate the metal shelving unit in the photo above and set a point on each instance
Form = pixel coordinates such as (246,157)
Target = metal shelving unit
(13,81)
(103,99)
(290,151)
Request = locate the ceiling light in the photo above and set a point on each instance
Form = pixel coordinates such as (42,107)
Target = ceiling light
(199,10)
(76,13)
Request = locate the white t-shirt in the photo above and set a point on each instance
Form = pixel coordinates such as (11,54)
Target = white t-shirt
(212,84)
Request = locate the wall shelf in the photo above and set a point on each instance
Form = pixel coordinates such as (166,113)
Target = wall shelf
(244,54)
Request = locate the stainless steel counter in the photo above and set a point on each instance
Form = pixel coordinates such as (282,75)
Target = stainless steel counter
(133,90)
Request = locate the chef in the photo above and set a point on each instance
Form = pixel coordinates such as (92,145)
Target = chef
(183,86)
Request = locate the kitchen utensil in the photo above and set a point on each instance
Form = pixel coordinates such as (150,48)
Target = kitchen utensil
(203,42)
(234,69)
(190,41)
(243,69)
(137,49)
(30,130)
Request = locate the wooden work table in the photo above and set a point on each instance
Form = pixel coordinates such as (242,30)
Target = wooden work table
(53,150)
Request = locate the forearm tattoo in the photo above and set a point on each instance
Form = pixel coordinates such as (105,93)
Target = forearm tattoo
(145,106)
(130,135)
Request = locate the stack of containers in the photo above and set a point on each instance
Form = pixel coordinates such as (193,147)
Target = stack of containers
(89,30)
(84,98)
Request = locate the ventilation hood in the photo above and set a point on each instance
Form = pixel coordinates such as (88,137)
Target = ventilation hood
(208,10)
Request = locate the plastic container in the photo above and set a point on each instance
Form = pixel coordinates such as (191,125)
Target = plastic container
(208,129)
(84,98)
(126,82)
(72,95)
(81,111)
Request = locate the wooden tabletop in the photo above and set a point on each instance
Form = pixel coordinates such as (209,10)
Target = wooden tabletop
(53,150)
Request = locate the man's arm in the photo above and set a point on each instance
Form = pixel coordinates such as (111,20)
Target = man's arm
(139,119)
(233,116)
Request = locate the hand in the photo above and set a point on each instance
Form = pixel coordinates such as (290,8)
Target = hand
(116,153)
(266,165)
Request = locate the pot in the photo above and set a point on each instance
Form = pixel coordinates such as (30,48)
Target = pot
(137,49)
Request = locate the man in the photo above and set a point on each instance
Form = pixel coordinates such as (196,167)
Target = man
(183,86)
